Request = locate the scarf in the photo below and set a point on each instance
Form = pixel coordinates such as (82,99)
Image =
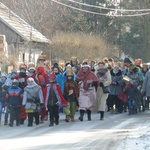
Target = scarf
(87,78)
(101,74)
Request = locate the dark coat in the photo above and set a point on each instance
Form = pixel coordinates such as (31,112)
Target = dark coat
(115,89)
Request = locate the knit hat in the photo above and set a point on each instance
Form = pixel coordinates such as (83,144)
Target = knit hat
(52,76)
(127,60)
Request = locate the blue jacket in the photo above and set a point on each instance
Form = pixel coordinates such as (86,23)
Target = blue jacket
(14,97)
(60,81)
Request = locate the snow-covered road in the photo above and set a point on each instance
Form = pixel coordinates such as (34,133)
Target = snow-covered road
(116,132)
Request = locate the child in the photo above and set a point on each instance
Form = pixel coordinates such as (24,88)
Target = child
(32,100)
(54,99)
(131,91)
(71,94)
(14,96)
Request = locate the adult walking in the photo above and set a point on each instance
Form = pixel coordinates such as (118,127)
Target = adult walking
(115,89)
(105,80)
(88,83)
(146,85)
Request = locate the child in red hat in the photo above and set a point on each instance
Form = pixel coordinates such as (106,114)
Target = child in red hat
(54,99)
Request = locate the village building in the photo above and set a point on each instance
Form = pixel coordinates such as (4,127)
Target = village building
(19,41)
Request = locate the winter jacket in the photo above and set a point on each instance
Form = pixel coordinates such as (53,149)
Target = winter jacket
(33,93)
(115,89)
(146,84)
(14,96)
(131,91)
(74,87)
(60,81)
(136,76)
(54,95)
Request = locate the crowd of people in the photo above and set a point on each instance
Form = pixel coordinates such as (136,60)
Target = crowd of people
(36,93)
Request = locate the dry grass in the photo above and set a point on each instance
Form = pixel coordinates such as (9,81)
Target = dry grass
(66,45)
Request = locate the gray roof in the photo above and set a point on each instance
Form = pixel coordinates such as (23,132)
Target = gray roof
(19,26)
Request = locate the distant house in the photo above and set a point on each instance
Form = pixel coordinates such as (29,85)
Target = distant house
(23,40)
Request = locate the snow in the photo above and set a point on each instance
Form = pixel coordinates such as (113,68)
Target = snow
(138,138)
(115,132)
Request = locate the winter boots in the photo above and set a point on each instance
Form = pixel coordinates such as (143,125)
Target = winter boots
(72,118)
(81,115)
(57,121)
(89,115)
(51,123)
(10,124)
(101,115)
(67,118)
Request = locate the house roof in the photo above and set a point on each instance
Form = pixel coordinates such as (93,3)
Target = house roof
(20,26)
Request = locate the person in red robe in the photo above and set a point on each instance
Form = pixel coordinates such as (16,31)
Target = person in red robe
(88,85)
(42,80)
(54,99)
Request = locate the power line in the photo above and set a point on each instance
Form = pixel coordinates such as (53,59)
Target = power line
(95,13)
(106,8)
(101,14)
